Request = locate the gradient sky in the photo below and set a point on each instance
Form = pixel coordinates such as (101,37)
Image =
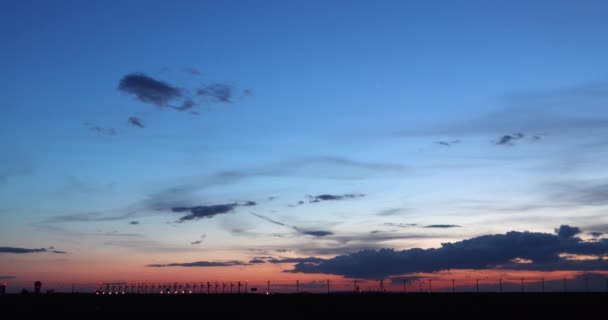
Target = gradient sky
(140,134)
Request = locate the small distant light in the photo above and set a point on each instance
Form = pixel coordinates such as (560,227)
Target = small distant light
(109,292)
(190,291)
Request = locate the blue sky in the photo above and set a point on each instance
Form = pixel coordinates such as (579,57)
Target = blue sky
(488,115)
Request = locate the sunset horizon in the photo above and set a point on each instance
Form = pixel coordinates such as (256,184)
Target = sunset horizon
(304,146)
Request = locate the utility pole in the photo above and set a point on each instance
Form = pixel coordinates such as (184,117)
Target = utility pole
(357,287)
(477,285)
(268,287)
(327,286)
(500,284)
(297,286)
(382,285)
(239,288)
(542,285)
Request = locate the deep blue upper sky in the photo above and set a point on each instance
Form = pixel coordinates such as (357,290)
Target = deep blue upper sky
(490,115)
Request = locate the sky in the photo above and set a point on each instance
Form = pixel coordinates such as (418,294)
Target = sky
(250,141)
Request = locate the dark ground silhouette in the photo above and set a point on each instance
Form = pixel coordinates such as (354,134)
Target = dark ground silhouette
(490,305)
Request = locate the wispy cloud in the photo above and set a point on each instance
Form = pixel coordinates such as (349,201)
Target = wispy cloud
(101,130)
(87,217)
(554,111)
(199,241)
(217,92)
(310,232)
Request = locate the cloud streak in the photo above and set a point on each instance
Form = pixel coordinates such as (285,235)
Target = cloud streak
(310,232)
(442,226)
(201,264)
(26,250)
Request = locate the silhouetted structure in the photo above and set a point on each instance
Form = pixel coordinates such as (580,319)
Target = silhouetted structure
(37,287)
(3,288)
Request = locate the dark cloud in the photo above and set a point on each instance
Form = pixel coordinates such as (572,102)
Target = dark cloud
(201,264)
(133,222)
(596,234)
(489,251)
(149,90)
(107,131)
(7,277)
(135,121)
(447,143)
(26,250)
(442,226)
(566,231)
(199,241)
(217,92)
(198,212)
(256,261)
(507,139)
(314,233)
(330,197)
